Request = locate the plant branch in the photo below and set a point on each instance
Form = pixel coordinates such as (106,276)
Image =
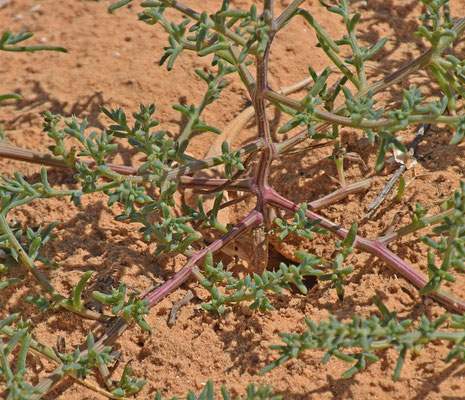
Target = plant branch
(58,299)
(287,14)
(120,172)
(47,352)
(343,192)
(374,247)
(365,124)
(418,63)
(415,226)
(188,271)
(239,40)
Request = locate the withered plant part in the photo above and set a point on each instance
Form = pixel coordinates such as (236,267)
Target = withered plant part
(400,170)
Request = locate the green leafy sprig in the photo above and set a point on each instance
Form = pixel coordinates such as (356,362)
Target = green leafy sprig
(131,309)
(216,84)
(301,225)
(338,273)
(255,288)
(231,160)
(256,26)
(263,392)
(82,364)
(127,385)
(368,335)
(451,248)
(17,386)
(9,40)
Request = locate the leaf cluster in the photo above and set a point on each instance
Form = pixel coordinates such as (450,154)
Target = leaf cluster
(452,247)
(131,309)
(253,393)
(82,364)
(368,335)
(15,377)
(301,225)
(255,288)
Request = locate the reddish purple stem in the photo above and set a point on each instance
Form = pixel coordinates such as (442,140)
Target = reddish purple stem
(253,219)
(371,246)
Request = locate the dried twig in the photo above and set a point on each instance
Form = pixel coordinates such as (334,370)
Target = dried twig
(382,195)
(174,311)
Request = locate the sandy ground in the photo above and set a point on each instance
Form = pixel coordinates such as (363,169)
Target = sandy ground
(112,61)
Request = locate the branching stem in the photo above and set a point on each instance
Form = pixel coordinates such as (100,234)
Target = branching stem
(374,247)
(58,299)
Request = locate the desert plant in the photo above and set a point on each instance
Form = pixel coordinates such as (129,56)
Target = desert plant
(235,39)
(9,42)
